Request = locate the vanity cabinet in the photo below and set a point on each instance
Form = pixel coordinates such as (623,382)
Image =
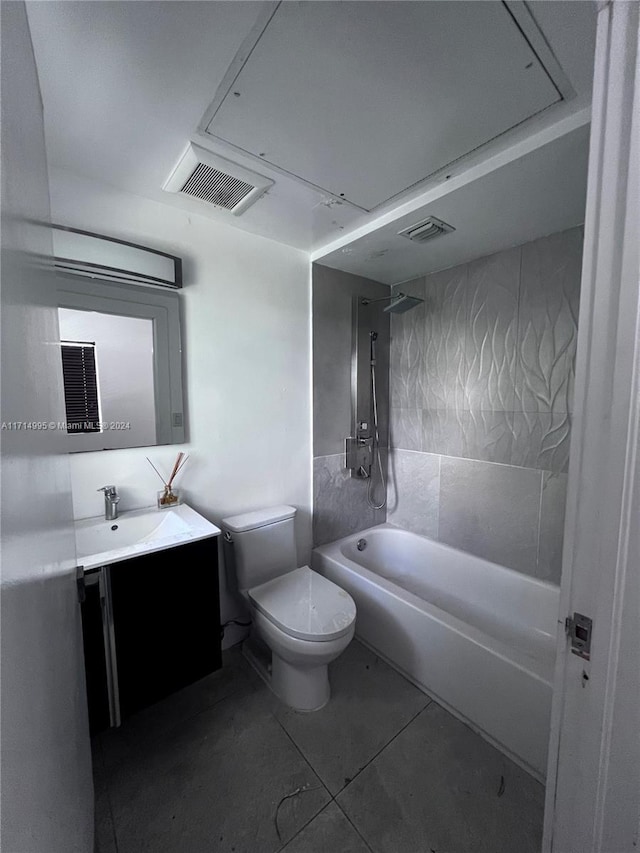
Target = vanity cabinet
(159,622)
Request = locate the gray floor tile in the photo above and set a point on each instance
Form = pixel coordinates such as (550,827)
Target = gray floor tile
(328,832)
(105,839)
(214,782)
(370,703)
(153,722)
(439,787)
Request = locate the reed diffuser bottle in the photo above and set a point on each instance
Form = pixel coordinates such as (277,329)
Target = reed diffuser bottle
(169,496)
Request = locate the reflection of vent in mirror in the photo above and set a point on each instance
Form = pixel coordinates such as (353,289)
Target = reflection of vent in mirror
(212,179)
(216,187)
(429,228)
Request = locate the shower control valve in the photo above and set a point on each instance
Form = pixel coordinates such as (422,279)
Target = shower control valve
(359,452)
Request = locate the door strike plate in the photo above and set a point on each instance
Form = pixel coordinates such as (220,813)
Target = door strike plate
(579,629)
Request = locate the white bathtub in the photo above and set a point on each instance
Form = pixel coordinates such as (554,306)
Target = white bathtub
(476,636)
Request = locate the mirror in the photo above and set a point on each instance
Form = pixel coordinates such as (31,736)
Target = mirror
(122,365)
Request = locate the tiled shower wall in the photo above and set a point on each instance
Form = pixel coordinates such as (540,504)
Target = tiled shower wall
(481,382)
(340,502)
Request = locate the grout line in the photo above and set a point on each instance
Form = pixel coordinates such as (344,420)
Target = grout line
(305,825)
(337,794)
(315,773)
(388,743)
(306,760)
(481,461)
(359,834)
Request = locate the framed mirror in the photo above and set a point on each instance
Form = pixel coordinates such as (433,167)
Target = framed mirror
(121,358)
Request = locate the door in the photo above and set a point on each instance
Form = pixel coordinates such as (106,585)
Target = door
(593,784)
(47,793)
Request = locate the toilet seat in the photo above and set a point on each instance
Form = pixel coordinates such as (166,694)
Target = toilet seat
(305,605)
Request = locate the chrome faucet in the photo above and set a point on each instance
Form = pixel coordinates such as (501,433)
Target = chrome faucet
(111,500)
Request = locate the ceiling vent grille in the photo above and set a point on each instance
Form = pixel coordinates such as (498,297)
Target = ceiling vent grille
(214,180)
(216,187)
(428,229)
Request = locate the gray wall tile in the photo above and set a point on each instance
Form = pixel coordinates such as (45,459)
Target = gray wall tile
(445,313)
(491,333)
(491,511)
(468,434)
(489,360)
(443,431)
(414,485)
(548,322)
(552,514)
(339,501)
(406,372)
(406,428)
(487,436)
(541,440)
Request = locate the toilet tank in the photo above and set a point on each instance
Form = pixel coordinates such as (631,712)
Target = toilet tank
(264,544)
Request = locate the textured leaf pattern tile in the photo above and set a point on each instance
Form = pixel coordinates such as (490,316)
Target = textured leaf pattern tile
(444,343)
(406,372)
(548,322)
(490,357)
(491,332)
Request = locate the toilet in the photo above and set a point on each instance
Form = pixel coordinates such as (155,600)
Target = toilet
(304,619)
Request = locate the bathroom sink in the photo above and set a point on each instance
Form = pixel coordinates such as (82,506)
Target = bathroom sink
(100,542)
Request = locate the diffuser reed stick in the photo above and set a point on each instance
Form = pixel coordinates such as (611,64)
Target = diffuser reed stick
(175,468)
(156,470)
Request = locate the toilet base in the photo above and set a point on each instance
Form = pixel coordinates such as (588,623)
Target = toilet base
(301,688)
(304,690)
(258,656)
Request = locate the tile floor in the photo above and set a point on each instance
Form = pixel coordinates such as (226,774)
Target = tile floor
(223,766)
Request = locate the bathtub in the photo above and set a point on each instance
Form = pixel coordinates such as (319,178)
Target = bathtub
(477,637)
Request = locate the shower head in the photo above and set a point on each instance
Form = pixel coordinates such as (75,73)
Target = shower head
(401,303)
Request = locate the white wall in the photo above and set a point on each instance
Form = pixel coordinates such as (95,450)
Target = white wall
(47,793)
(246,339)
(124,366)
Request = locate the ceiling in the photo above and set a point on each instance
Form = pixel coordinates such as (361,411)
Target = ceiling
(326,105)
(324,77)
(501,209)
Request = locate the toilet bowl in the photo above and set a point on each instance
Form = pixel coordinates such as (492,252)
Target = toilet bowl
(307,622)
(304,619)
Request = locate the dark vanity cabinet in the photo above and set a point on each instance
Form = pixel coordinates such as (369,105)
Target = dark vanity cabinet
(154,630)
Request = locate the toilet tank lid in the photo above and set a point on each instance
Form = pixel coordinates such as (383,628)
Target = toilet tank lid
(258,518)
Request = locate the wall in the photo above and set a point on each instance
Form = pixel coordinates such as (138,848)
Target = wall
(481,393)
(47,792)
(340,501)
(124,366)
(246,339)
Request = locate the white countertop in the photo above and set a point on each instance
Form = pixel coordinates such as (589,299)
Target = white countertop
(143,531)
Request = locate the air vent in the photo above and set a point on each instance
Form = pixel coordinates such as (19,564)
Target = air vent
(216,181)
(216,187)
(428,229)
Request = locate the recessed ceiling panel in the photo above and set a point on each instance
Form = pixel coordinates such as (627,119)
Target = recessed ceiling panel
(366,99)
